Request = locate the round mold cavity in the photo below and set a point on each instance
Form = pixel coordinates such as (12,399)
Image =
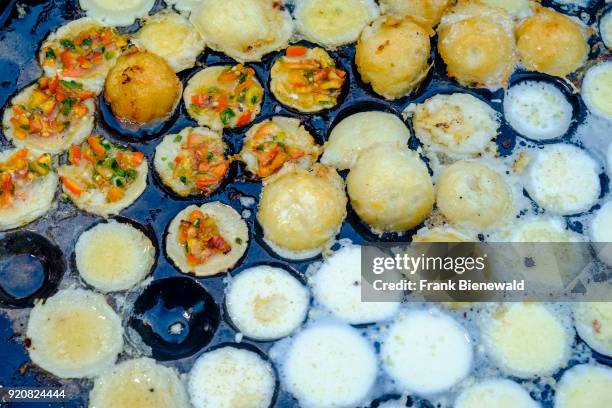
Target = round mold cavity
(176,317)
(294,273)
(146,229)
(345,91)
(578,108)
(434,61)
(254,349)
(232,174)
(583,9)
(605,14)
(31,267)
(258,234)
(133,132)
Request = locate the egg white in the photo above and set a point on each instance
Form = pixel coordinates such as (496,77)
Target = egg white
(329,365)
(361,131)
(597,88)
(266,303)
(114,256)
(585,386)
(301,211)
(498,393)
(139,383)
(333,23)
(117,12)
(593,322)
(172,37)
(245,30)
(458,125)
(333,286)
(74,334)
(563,179)
(231,377)
(527,339)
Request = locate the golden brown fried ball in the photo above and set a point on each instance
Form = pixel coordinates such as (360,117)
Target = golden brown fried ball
(430,11)
(477,44)
(552,43)
(142,87)
(392,55)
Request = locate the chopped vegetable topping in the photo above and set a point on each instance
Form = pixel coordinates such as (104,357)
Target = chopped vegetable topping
(99,165)
(84,53)
(268,145)
(307,78)
(53,105)
(234,100)
(200,238)
(200,163)
(18,172)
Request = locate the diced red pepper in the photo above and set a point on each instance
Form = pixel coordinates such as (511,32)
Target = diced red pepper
(296,51)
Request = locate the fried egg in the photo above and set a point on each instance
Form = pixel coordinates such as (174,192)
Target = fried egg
(426,352)
(477,44)
(527,339)
(585,386)
(329,365)
(390,188)
(360,132)
(224,96)
(601,232)
(563,179)
(594,325)
(596,89)
(442,234)
(301,211)
(306,79)
(28,184)
(226,224)
(103,178)
(392,55)
(114,256)
(540,229)
(141,88)
(605,29)
(551,42)
(24,121)
(498,393)
(172,37)
(74,334)
(139,383)
(333,23)
(270,144)
(266,303)
(82,40)
(456,125)
(192,161)
(517,8)
(245,30)
(117,12)
(473,195)
(229,377)
(430,11)
(186,6)
(336,284)
(538,110)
